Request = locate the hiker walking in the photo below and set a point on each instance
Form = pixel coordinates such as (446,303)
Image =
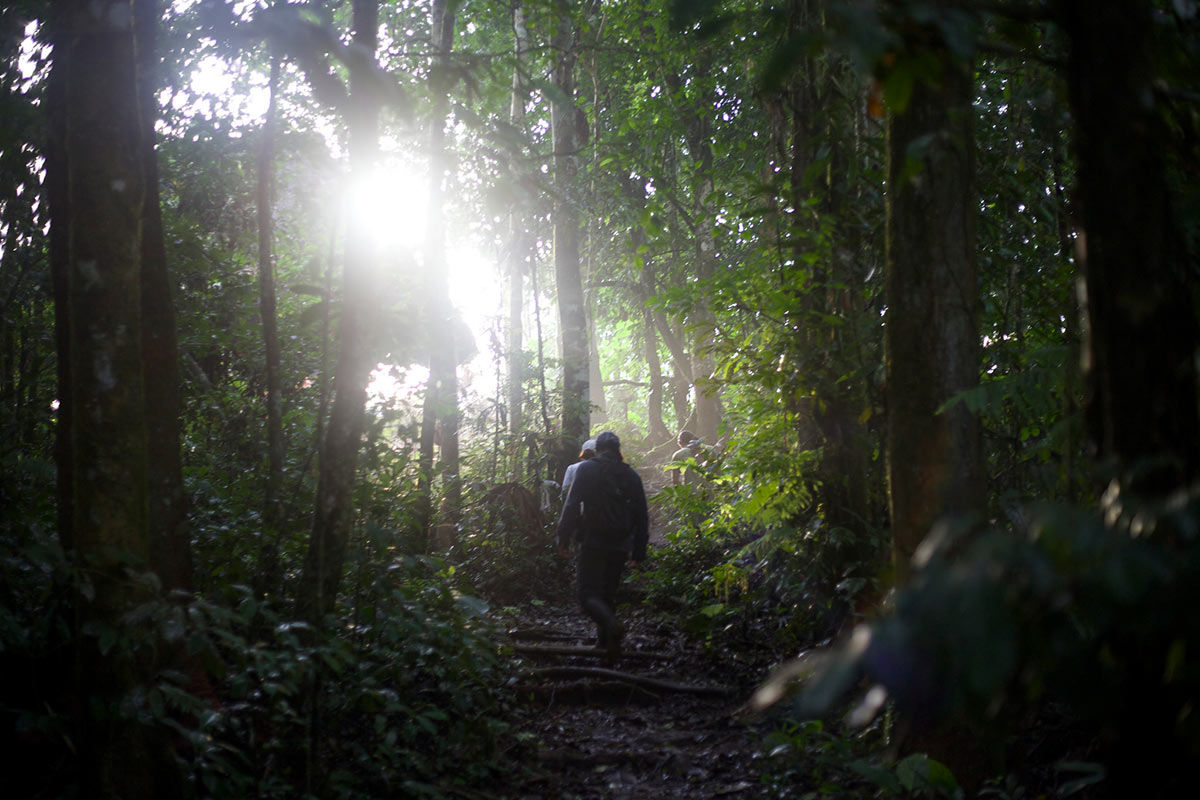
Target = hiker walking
(605,514)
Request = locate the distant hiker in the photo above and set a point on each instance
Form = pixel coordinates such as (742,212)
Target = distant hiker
(587,451)
(605,514)
(691,447)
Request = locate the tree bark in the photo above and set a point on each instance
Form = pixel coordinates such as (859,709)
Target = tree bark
(107,456)
(571,317)
(931,333)
(170,542)
(1140,336)
(267,573)
(1140,321)
(333,517)
(58,201)
(441,394)
(518,249)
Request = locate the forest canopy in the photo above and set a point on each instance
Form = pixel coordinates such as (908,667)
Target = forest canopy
(306,306)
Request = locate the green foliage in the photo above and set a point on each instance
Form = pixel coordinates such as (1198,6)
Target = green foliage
(406,686)
(1094,611)
(738,574)
(810,760)
(506,545)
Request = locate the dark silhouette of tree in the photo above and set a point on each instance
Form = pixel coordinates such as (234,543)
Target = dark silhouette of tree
(333,517)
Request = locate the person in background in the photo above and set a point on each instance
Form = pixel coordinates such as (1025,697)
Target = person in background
(691,447)
(587,451)
(605,513)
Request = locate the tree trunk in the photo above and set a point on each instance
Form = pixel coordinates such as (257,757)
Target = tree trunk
(267,573)
(931,333)
(698,133)
(334,513)
(1140,335)
(58,250)
(517,242)
(568,282)
(108,451)
(1141,329)
(441,394)
(170,543)
(658,432)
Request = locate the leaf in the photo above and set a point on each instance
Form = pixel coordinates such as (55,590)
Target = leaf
(920,773)
(471,607)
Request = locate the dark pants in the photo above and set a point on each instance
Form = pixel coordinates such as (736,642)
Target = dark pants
(599,574)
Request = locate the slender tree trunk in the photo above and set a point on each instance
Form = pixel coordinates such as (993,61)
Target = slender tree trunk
(658,432)
(267,573)
(334,514)
(931,335)
(58,200)
(441,395)
(518,247)
(170,543)
(568,282)
(698,132)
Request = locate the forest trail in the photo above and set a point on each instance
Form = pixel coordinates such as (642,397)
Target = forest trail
(590,734)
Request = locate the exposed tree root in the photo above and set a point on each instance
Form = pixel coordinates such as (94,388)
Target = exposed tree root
(543,650)
(588,693)
(638,680)
(543,634)
(605,758)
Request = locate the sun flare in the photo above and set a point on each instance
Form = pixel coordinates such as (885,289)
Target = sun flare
(390,205)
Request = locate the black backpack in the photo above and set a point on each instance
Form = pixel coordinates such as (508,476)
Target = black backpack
(614,511)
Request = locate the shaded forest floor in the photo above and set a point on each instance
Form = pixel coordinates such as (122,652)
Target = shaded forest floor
(656,722)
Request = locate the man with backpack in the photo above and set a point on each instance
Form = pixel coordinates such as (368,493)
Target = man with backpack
(605,513)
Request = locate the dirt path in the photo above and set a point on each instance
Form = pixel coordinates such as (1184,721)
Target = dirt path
(588,735)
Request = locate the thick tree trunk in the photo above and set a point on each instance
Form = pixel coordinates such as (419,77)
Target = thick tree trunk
(1140,337)
(931,333)
(334,514)
(267,573)
(1141,328)
(572,320)
(107,453)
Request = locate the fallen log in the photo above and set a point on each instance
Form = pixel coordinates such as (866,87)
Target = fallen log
(552,650)
(644,681)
